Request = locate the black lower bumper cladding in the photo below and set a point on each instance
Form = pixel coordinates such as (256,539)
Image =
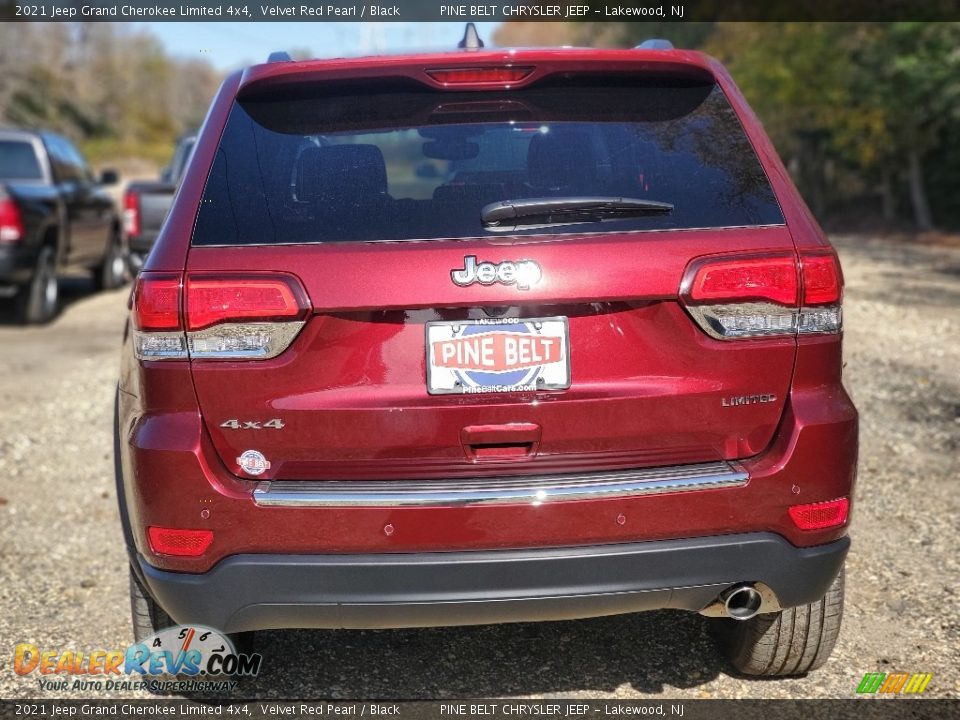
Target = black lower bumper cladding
(257,592)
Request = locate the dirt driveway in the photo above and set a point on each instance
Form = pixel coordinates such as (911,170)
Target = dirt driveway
(63,581)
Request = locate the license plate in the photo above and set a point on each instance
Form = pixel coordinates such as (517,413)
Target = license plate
(498,355)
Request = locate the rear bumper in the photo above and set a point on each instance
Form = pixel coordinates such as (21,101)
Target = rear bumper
(391,590)
(171,476)
(16,265)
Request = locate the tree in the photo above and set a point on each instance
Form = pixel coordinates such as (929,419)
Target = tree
(909,74)
(852,107)
(112,88)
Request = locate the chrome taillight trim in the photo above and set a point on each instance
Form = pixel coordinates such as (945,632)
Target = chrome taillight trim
(782,321)
(159,345)
(711,319)
(535,490)
(190,346)
(826,320)
(277,338)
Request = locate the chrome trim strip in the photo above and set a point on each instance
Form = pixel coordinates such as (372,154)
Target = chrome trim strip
(499,491)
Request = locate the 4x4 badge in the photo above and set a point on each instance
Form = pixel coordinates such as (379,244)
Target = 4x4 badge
(523,273)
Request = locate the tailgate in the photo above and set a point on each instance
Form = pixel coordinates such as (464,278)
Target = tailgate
(349,398)
(436,343)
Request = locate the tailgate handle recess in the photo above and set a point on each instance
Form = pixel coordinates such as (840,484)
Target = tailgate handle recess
(510,441)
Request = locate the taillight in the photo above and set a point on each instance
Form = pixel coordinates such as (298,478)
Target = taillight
(179,542)
(766,295)
(479,75)
(156,302)
(822,282)
(213,299)
(746,280)
(131,213)
(223,316)
(820,515)
(11,222)
(157,325)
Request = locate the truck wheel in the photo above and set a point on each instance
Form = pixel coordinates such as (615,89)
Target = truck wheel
(790,642)
(39,301)
(114,270)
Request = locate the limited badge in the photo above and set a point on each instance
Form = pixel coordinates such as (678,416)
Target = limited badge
(252,462)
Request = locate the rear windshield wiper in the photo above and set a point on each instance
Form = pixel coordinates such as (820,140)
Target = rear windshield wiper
(543,212)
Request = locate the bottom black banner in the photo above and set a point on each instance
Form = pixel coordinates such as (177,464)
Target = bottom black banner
(554,709)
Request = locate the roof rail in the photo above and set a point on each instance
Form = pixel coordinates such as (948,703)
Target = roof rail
(655,44)
(471,38)
(279,56)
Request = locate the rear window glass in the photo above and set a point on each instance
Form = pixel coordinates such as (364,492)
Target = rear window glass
(349,164)
(18,161)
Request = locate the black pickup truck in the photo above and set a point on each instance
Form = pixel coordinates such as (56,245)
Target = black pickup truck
(55,217)
(146,204)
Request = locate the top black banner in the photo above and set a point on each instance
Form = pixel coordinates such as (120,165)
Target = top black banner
(454,11)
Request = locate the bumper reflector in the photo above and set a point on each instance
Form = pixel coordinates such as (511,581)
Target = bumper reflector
(180,542)
(821,515)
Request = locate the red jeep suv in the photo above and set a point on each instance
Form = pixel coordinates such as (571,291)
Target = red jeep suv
(487,336)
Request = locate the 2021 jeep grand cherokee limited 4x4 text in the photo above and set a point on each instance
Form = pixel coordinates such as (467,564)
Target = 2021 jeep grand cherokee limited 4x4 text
(489,336)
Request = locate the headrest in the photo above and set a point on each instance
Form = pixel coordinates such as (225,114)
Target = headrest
(561,159)
(341,172)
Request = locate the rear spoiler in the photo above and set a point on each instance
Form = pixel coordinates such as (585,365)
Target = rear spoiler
(427,69)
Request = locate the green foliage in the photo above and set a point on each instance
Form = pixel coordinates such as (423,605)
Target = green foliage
(864,106)
(112,89)
(864,114)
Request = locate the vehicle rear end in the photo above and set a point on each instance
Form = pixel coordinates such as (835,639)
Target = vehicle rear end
(30,216)
(485,336)
(147,204)
(145,207)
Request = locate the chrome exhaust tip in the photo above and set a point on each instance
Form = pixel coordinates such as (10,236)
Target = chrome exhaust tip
(742,602)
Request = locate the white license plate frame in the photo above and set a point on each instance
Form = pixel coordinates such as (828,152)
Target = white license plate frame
(460,365)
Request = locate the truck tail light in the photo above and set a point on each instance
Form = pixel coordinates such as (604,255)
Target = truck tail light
(176,541)
(820,515)
(766,295)
(131,213)
(11,222)
(223,316)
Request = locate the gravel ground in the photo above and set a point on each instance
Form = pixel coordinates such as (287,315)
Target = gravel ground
(64,581)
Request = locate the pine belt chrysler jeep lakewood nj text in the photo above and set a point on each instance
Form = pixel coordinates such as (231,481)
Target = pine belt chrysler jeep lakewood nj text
(486,336)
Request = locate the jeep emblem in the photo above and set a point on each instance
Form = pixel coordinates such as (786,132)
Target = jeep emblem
(523,273)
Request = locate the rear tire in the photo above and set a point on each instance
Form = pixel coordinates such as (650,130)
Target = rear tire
(790,642)
(115,270)
(147,616)
(38,302)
